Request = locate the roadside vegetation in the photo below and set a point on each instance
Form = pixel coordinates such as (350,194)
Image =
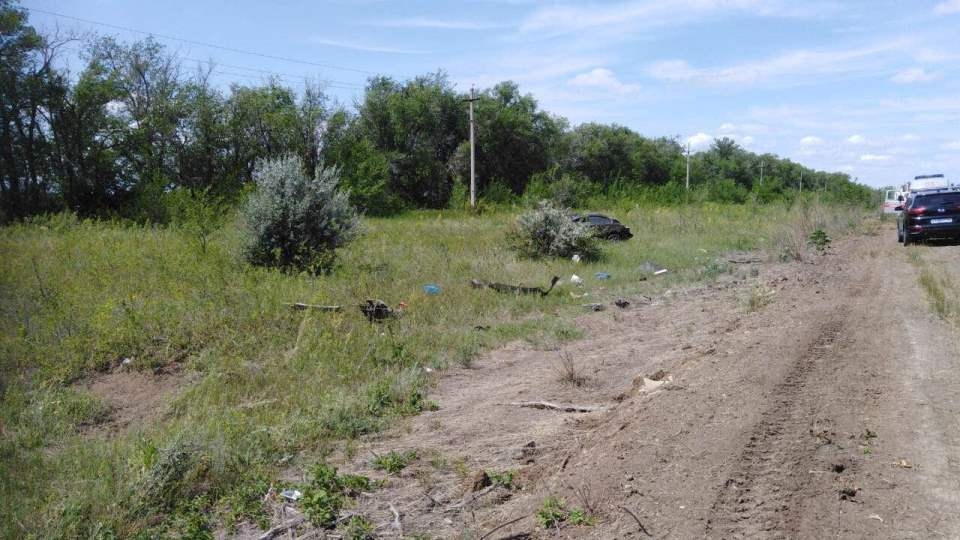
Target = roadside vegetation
(262,388)
(156,247)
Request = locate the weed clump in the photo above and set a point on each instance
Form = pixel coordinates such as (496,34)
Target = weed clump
(295,222)
(553,512)
(819,241)
(549,231)
(326,493)
(393,461)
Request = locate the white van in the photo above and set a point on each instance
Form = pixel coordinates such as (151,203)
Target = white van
(892,198)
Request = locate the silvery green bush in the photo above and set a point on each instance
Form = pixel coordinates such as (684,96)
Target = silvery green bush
(295,222)
(549,231)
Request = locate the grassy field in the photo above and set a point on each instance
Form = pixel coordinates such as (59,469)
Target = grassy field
(261,388)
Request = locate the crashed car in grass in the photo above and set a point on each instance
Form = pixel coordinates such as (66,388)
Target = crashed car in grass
(604,227)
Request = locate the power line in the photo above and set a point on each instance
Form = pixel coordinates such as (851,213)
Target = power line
(289,78)
(202,43)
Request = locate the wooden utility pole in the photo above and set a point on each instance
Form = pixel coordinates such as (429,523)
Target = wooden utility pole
(688,166)
(473,175)
(761,172)
(801,182)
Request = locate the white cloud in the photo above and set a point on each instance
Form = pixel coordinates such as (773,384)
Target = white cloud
(796,66)
(914,75)
(856,139)
(747,140)
(909,137)
(652,13)
(947,7)
(811,140)
(874,157)
(699,140)
(952,145)
(603,79)
(439,24)
(363,47)
(727,128)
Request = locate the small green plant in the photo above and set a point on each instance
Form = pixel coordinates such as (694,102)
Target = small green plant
(579,516)
(327,491)
(393,461)
(819,240)
(551,513)
(358,528)
(503,479)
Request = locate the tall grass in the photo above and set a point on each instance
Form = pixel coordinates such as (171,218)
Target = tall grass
(264,387)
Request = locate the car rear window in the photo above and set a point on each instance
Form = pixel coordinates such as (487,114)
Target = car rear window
(940,199)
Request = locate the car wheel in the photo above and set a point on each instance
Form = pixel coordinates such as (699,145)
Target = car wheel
(899,235)
(906,239)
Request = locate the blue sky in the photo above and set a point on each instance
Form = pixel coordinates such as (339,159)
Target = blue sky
(871,88)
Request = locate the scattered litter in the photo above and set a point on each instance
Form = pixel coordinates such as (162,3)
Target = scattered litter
(904,464)
(291,494)
(876,517)
(376,310)
(621,303)
(575,258)
(515,289)
(660,272)
(575,295)
(576,280)
(650,267)
(431,289)
(300,306)
(126,361)
(603,276)
(644,385)
(428,369)
(594,307)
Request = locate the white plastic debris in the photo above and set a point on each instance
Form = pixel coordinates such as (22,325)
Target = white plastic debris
(661,271)
(576,280)
(575,258)
(291,494)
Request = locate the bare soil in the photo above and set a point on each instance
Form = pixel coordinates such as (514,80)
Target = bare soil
(134,398)
(830,411)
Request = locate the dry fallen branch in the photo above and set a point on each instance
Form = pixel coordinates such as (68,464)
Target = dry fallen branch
(639,523)
(558,406)
(475,496)
(502,525)
(281,528)
(301,306)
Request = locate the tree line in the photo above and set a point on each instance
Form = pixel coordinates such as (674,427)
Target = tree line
(135,129)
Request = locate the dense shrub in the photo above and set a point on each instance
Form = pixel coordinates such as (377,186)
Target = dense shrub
(294,222)
(548,231)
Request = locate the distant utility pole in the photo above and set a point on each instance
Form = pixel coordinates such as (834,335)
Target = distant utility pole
(473,175)
(761,172)
(801,182)
(688,166)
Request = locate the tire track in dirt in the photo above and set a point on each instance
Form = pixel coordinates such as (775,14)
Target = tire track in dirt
(762,495)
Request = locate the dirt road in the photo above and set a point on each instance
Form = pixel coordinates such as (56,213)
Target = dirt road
(829,412)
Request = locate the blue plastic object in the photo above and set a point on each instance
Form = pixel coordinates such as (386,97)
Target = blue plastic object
(602,275)
(431,289)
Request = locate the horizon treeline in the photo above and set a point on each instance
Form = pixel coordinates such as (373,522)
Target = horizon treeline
(133,131)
